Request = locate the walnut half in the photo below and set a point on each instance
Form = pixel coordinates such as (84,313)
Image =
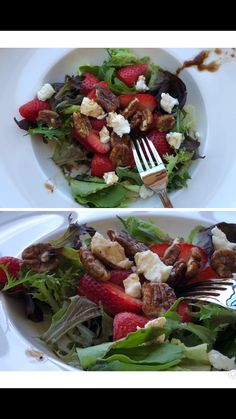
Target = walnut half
(40,258)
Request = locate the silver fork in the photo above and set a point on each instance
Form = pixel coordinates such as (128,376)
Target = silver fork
(151,168)
(219,291)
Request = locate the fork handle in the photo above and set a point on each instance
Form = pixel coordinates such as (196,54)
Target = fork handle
(165,199)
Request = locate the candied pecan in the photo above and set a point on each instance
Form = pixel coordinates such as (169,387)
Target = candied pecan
(171,255)
(194,263)
(165,122)
(92,265)
(115,139)
(131,108)
(107,99)
(40,258)
(51,118)
(136,120)
(130,245)
(120,155)
(157,298)
(177,274)
(81,124)
(224,262)
(147,119)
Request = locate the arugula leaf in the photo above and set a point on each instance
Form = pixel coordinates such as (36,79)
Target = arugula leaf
(79,310)
(214,316)
(177,167)
(121,57)
(94,69)
(144,231)
(154,71)
(48,132)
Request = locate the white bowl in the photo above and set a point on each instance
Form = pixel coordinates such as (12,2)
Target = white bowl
(23,332)
(26,162)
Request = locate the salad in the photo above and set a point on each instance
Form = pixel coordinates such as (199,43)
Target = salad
(115,303)
(90,119)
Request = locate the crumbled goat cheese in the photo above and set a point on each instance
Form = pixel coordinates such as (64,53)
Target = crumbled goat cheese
(90,108)
(174,139)
(220,361)
(111,251)
(110,178)
(220,241)
(104,135)
(119,124)
(151,266)
(133,286)
(141,84)
(45,92)
(168,102)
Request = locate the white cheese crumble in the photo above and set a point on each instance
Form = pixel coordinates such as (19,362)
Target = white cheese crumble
(104,135)
(159,322)
(45,92)
(111,251)
(174,139)
(141,84)
(119,124)
(145,192)
(168,102)
(132,286)
(151,266)
(220,241)
(220,361)
(110,178)
(91,108)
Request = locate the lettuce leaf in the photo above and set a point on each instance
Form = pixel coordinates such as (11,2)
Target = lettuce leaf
(122,366)
(121,57)
(129,174)
(74,235)
(146,232)
(177,167)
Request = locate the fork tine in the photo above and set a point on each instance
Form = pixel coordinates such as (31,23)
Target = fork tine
(217,281)
(208,287)
(196,293)
(144,161)
(136,158)
(154,152)
(148,153)
(204,299)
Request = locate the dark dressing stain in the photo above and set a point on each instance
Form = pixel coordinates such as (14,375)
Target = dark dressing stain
(199,62)
(49,187)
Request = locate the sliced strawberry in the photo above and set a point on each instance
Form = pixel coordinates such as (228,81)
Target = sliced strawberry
(159,141)
(204,275)
(92,142)
(12,266)
(146,101)
(88,83)
(130,74)
(101,164)
(112,297)
(97,124)
(30,110)
(160,249)
(92,94)
(182,310)
(118,276)
(125,323)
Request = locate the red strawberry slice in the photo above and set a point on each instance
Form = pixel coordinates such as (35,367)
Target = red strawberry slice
(92,142)
(146,101)
(13,268)
(130,74)
(30,110)
(160,249)
(113,298)
(92,94)
(182,310)
(88,83)
(159,141)
(204,275)
(97,124)
(101,164)
(118,276)
(125,323)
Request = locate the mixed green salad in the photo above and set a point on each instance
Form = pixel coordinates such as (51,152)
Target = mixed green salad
(115,304)
(91,118)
